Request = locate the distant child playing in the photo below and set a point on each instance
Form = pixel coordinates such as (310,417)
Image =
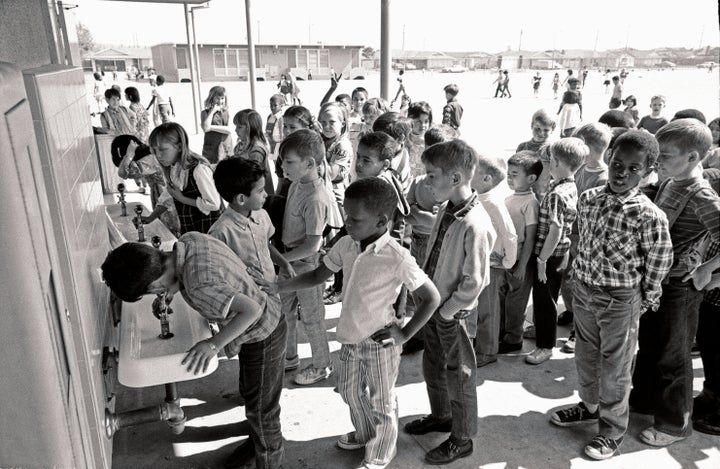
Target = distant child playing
(570,113)
(616,98)
(375,268)
(453,111)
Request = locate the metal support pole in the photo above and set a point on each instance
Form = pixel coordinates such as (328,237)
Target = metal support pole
(192,68)
(251,52)
(197,53)
(385,53)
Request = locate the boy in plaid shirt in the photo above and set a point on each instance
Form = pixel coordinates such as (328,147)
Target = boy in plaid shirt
(624,253)
(557,214)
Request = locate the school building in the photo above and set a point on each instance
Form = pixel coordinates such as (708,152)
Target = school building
(118,59)
(226,62)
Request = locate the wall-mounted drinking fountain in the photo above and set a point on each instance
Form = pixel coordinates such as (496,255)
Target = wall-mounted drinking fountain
(121,199)
(139,223)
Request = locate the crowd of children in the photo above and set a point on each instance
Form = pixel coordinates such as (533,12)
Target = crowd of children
(411,222)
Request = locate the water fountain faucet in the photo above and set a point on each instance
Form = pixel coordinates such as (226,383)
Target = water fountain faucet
(121,199)
(139,223)
(161,304)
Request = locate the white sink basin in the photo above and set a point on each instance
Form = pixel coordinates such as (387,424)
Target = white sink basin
(125,227)
(147,360)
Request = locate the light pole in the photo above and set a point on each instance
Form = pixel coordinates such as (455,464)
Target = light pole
(198,78)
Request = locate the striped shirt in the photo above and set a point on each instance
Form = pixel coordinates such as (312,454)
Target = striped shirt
(558,207)
(624,243)
(211,275)
(700,217)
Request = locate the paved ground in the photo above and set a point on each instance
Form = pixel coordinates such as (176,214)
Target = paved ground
(514,402)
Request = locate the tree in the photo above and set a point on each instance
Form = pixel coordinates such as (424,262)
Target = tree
(85,39)
(368,53)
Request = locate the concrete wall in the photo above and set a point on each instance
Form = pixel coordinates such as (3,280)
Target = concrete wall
(26,33)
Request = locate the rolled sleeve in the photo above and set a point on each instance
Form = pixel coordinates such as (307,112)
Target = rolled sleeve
(213,301)
(411,275)
(333,259)
(209,200)
(556,209)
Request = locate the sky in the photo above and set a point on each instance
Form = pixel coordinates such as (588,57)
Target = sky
(445,25)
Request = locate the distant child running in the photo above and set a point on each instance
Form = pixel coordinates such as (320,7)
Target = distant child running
(453,111)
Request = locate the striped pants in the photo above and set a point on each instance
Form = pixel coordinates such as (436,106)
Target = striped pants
(366,381)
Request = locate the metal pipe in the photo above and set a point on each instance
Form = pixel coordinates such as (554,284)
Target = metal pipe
(198,78)
(251,52)
(167,411)
(192,69)
(385,52)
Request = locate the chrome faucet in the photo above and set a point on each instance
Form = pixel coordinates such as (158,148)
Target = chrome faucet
(121,199)
(161,304)
(139,223)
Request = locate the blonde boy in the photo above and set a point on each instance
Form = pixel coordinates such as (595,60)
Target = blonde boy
(653,122)
(542,125)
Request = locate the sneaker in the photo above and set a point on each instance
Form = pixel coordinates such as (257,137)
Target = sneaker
(654,437)
(483,359)
(703,404)
(602,447)
(292,363)
(506,347)
(448,452)
(539,355)
(569,346)
(312,375)
(367,465)
(574,415)
(348,442)
(529,332)
(334,297)
(709,424)
(427,424)
(241,456)
(565,318)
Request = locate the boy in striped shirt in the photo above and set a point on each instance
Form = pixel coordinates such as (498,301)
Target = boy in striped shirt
(624,253)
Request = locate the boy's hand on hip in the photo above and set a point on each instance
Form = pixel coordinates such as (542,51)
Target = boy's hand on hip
(700,277)
(563,265)
(390,335)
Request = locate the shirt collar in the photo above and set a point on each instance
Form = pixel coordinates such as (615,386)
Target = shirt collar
(239,218)
(378,244)
(459,211)
(554,184)
(622,199)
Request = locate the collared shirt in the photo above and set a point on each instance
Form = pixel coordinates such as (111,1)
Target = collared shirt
(451,214)
(248,238)
(506,241)
(523,208)
(624,242)
(211,275)
(306,213)
(209,201)
(371,284)
(558,207)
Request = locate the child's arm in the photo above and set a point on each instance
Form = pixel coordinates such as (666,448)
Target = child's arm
(527,249)
(172,108)
(208,126)
(656,246)
(209,200)
(310,246)
(299,282)
(152,101)
(427,299)
(551,242)
(279,260)
(334,79)
(246,310)
(707,209)
(339,166)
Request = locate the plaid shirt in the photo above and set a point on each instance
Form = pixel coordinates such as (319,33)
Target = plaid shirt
(557,208)
(624,243)
(712,296)
(211,275)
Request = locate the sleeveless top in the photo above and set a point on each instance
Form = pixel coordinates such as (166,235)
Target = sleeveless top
(191,218)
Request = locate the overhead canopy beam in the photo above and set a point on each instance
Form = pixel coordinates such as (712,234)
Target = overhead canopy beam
(251,52)
(385,53)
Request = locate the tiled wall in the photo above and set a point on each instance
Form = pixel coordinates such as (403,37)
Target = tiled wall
(64,133)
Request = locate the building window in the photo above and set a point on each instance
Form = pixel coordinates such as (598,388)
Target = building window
(312,59)
(181,57)
(230,62)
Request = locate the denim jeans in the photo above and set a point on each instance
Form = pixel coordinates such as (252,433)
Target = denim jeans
(606,327)
(513,296)
(545,297)
(663,377)
(262,367)
(418,250)
(707,339)
(567,287)
(488,325)
(449,370)
(307,306)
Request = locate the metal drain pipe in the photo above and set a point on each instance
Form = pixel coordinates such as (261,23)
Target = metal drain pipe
(169,411)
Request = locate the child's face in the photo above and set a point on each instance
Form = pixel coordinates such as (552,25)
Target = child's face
(482,182)
(369,119)
(256,199)
(368,163)
(541,131)
(441,185)
(275,106)
(360,223)
(166,153)
(673,162)
(657,105)
(291,124)
(518,180)
(625,171)
(113,102)
(331,123)
(295,168)
(242,131)
(448,96)
(556,167)
(420,124)
(346,102)
(219,100)
(358,99)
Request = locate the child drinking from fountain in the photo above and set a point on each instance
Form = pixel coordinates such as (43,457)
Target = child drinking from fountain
(376,267)
(251,143)
(215,283)
(189,180)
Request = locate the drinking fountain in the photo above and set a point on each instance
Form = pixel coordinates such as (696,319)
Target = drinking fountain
(139,223)
(121,199)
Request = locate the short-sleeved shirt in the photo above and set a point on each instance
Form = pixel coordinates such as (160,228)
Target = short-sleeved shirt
(530,145)
(651,124)
(211,275)
(371,284)
(213,141)
(523,208)
(248,238)
(558,207)
(700,217)
(587,179)
(306,212)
